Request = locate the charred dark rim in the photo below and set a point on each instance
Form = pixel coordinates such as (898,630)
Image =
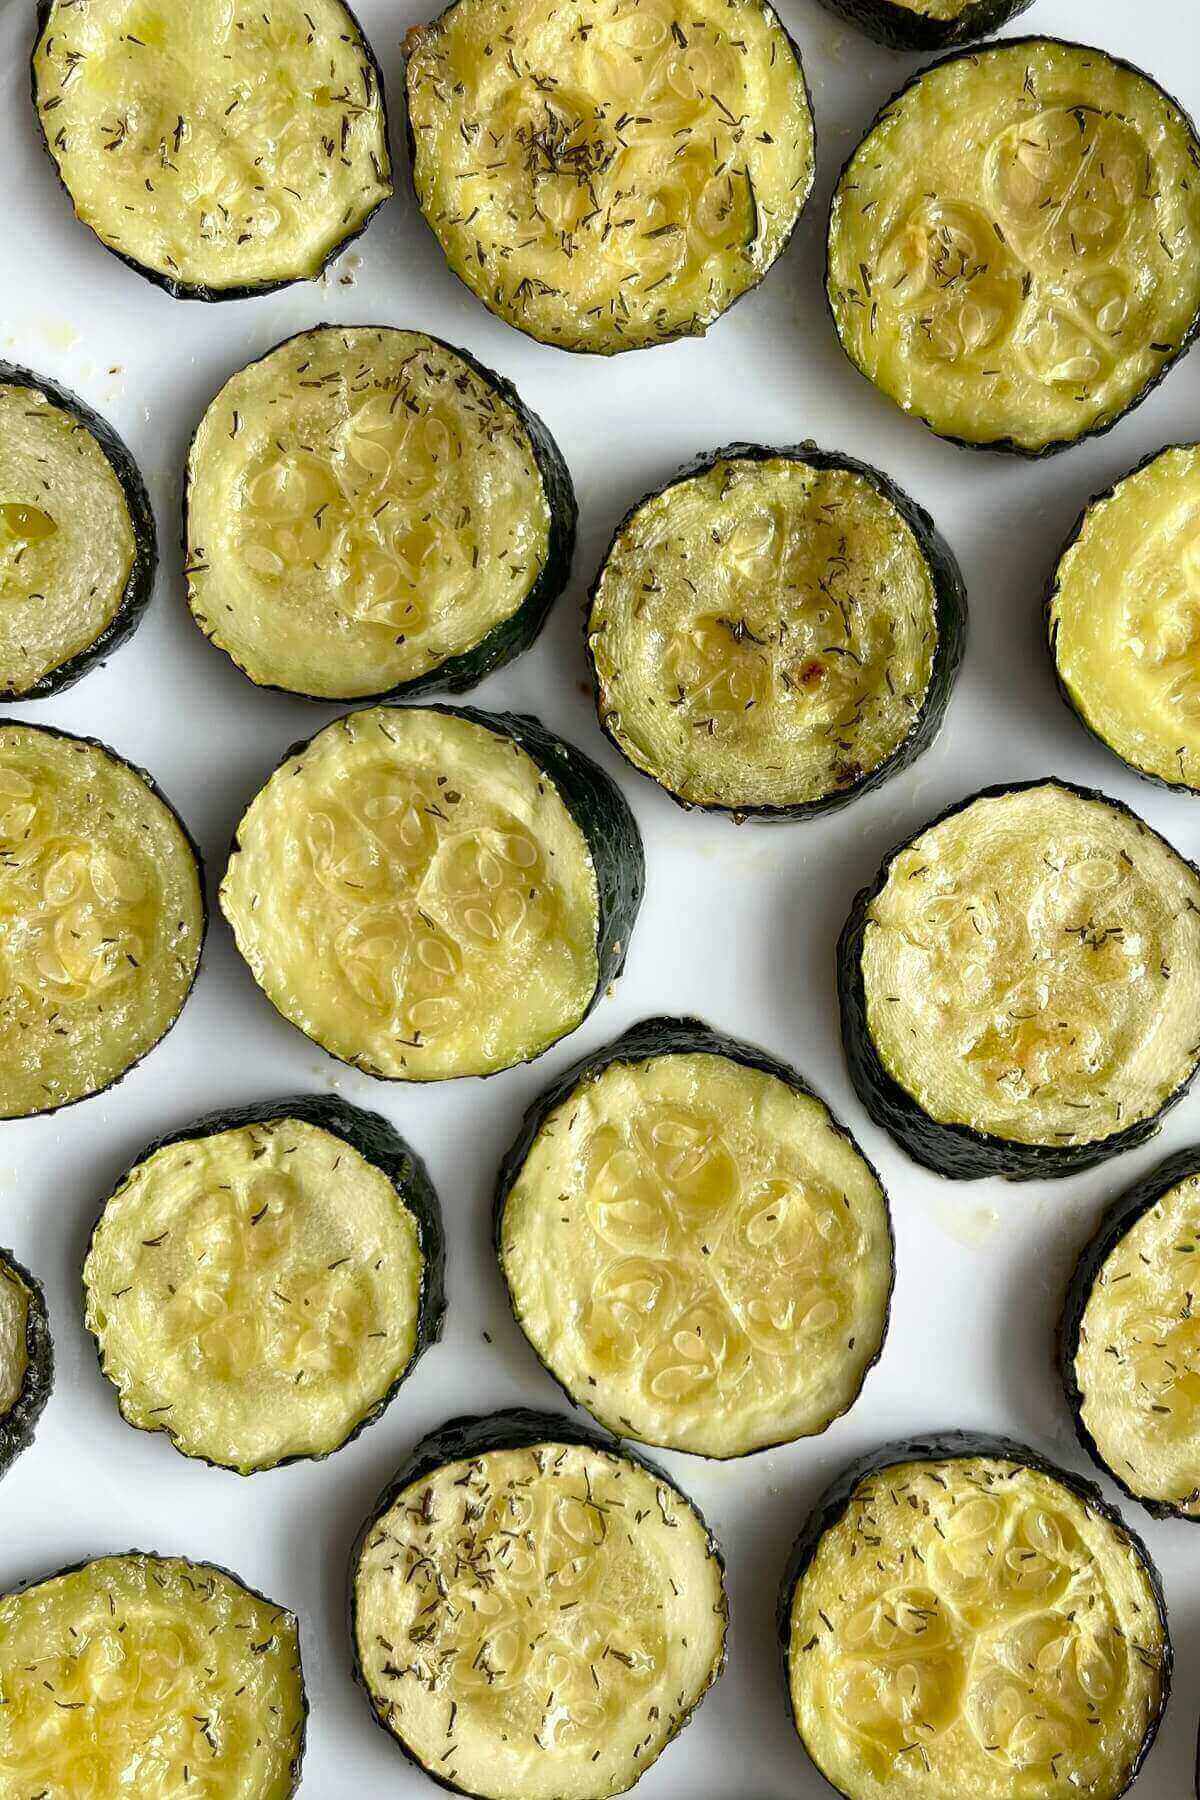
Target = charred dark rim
(950,595)
(193,290)
(671,337)
(959,1446)
(958,1151)
(896,28)
(18,1424)
(599,809)
(140,585)
(72,737)
(512,636)
(644,1042)
(377,1141)
(515,1428)
(1009,446)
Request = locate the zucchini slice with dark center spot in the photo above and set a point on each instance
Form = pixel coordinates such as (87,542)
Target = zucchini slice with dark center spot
(699,1253)
(430,892)
(775,631)
(78,549)
(103,901)
(535,1612)
(1018,984)
(1014,247)
(219,149)
(26,1358)
(613,176)
(1123,615)
(260,1284)
(960,1617)
(927,24)
(170,1668)
(371,512)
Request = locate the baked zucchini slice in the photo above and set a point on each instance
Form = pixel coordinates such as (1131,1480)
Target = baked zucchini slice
(1014,247)
(260,1284)
(102,917)
(535,1612)
(78,549)
(149,1675)
(1018,984)
(698,1252)
(26,1358)
(960,1617)
(619,174)
(927,24)
(429,892)
(371,512)
(219,150)
(775,631)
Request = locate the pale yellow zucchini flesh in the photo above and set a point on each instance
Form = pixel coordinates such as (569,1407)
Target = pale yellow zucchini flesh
(14,1352)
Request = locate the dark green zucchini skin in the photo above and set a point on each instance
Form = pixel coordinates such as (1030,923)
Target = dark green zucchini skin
(18,1424)
(947,1446)
(518,1428)
(899,29)
(949,590)
(140,585)
(382,1146)
(513,636)
(957,1151)
(641,1043)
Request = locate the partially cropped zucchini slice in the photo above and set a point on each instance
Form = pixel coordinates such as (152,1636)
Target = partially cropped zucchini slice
(102,918)
(619,174)
(1123,614)
(219,148)
(694,1247)
(775,631)
(1018,984)
(372,512)
(149,1675)
(26,1358)
(535,1613)
(432,891)
(927,24)
(78,548)
(260,1284)
(1014,247)
(961,1618)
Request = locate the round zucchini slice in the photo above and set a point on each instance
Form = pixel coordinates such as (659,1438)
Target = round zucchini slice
(149,1675)
(1123,612)
(1018,984)
(430,892)
(927,24)
(221,152)
(621,174)
(102,918)
(962,1618)
(371,512)
(26,1358)
(78,549)
(775,631)
(535,1612)
(260,1284)
(1014,247)
(698,1252)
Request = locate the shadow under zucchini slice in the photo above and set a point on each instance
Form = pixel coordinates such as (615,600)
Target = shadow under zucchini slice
(526,1559)
(927,24)
(261,1283)
(26,1358)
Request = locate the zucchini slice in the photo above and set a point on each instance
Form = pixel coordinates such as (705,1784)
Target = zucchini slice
(960,1617)
(927,24)
(1123,613)
(102,917)
(535,1612)
(430,892)
(371,512)
(622,173)
(1018,984)
(698,1252)
(149,1675)
(260,1284)
(221,151)
(775,631)
(26,1358)
(1014,247)
(78,549)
